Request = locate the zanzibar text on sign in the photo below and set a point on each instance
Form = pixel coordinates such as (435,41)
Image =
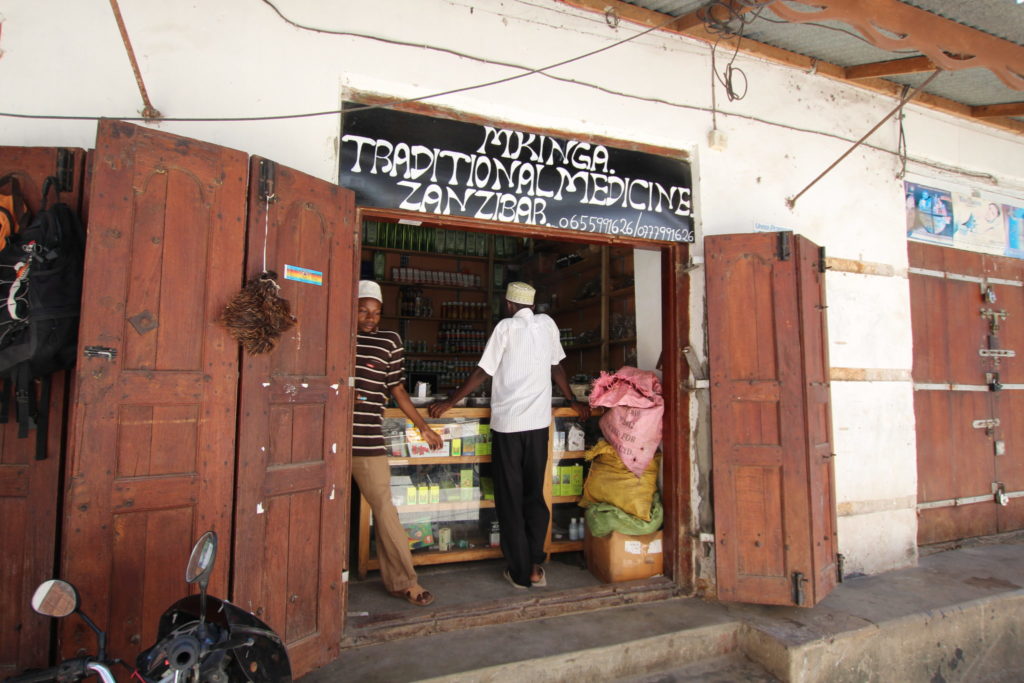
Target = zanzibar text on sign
(420,163)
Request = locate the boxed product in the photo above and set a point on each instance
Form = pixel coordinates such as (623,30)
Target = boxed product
(621,557)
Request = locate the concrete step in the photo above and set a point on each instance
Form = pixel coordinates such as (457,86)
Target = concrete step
(734,668)
(955,617)
(597,645)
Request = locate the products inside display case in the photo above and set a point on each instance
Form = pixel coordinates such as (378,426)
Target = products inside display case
(444,496)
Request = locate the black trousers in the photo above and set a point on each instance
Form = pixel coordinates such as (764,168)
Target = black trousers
(519,462)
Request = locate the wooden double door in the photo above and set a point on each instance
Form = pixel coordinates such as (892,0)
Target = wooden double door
(968,324)
(173,430)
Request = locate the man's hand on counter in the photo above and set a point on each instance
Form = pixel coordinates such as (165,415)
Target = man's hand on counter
(582,409)
(439,408)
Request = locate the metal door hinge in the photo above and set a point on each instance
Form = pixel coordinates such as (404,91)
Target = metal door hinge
(65,170)
(822,263)
(268,173)
(99,352)
(351,381)
(798,587)
(840,566)
(997,353)
(784,246)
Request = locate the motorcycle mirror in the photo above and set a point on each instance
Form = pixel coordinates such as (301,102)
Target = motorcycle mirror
(55,598)
(200,562)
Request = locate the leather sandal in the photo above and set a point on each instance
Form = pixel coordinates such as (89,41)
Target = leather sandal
(543,580)
(420,597)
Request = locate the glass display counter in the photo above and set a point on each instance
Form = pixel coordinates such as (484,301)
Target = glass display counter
(445,498)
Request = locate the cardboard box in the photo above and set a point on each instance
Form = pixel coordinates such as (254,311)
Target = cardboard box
(621,557)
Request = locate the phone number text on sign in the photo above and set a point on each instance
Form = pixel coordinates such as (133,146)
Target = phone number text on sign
(625,227)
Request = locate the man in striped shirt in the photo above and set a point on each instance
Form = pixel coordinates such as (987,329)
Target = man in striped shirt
(523,356)
(380,374)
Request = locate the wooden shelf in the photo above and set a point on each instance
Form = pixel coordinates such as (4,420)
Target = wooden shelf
(564,546)
(432,254)
(454,412)
(440,460)
(624,340)
(441,355)
(433,318)
(431,285)
(555,500)
(587,264)
(448,506)
(568,455)
(428,557)
(583,347)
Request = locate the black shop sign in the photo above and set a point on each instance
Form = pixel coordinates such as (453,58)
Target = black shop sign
(398,160)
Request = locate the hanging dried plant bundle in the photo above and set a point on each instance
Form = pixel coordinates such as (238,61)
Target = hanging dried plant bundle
(257,315)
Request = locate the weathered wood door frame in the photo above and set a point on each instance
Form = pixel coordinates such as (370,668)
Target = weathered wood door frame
(30,497)
(772,469)
(675,293)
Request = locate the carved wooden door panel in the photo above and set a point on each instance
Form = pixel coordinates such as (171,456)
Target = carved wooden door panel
(295,421)
(770,421)
(29,487)
(154,450)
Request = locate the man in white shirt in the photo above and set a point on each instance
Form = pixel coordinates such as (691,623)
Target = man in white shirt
(523,356)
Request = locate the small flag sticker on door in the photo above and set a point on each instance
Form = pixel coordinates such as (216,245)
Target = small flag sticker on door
(310,277)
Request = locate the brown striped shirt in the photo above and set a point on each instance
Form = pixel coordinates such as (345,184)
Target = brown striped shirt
(380,365)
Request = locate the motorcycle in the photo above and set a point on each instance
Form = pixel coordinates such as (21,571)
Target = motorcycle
(200,638)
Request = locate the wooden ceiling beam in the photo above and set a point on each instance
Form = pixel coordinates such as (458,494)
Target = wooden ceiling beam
(649,18)
(720,13)
(893,67)
(986,111)
(894,25)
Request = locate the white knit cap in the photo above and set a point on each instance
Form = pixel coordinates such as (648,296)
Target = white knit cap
(520,293)
(368,289)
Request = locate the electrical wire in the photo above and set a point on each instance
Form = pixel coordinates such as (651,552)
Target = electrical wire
(333,112)
(734,22)
(901,142)
(540,72)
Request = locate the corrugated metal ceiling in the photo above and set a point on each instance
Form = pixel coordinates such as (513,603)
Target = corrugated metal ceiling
(837,43)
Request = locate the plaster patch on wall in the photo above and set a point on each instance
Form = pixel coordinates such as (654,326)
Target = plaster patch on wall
(868,507)
(870,375)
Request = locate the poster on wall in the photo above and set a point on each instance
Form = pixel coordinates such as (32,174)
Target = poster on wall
(398,160)
(971,221)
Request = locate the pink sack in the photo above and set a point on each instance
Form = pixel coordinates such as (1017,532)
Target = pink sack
(634,422)
(627,387)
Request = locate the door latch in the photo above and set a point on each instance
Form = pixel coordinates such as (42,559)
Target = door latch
(994,318)
(1000,495)
(798,587)
(99,352)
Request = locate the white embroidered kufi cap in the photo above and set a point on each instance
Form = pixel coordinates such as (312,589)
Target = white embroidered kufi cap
(368,289)
(520,293)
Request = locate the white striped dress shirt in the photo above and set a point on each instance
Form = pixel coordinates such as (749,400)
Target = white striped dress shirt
(519,356)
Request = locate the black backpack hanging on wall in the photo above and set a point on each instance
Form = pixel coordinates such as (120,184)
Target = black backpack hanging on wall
(40,300)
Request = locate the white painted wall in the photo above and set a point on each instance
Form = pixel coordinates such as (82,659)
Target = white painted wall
(239,58)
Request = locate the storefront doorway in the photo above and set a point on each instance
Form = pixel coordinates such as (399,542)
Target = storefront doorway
(443,283)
